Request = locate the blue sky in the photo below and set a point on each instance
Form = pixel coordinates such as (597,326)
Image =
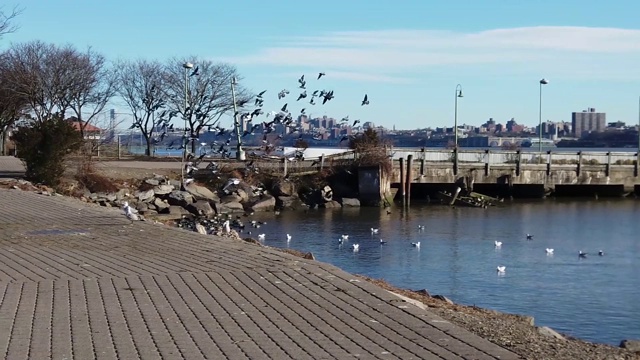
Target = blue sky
(407,55)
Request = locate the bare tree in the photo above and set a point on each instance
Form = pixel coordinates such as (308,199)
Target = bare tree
(44,76)
(93,85)
(141,84)
(6,21)
(11,105)
(209,93)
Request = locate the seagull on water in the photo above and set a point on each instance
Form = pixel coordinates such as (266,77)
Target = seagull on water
(345,237)
(497,243)
(420,227)
(374,231)
(501,269)
(288,237)
(382,242)
(416,244)
(600,253)
(549,251)
(261,237)
(582,255)
(355,247)
(529,237)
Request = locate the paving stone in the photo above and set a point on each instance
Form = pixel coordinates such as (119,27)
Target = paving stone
(79,281)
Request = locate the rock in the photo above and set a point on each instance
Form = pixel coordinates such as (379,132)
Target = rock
(229,207)
(631,345)
(178,210)
(547,331)
(200,192)
(309,256)
(180,198)
(443,298)
(163,189)
(231,198)
(350,202)
(153,181)
(142,207)
(122,194)
(423,292)
(284,188)
(332,204)
(201,207)
(145,195)
(175,183)
(244,194)
(262,203)
(160,204)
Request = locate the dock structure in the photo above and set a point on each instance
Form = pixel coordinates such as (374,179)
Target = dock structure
(79,281)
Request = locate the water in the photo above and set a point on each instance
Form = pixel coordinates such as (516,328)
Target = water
(597,298)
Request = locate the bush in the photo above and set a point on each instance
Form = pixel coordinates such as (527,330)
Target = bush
(43,147)
(371,150)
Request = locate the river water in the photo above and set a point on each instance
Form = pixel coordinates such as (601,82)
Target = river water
(596,298)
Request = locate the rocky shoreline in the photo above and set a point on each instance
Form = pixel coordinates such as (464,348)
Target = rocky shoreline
(195,207)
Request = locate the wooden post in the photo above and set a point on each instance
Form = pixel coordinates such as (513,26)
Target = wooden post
(487,163)
(579,163)
(402,178)
(284,166)
(119,156)
(321,162)
(519,161)
(409,177)
(455,159)
(637,167)
(607,170)
(549,161)
(422,161)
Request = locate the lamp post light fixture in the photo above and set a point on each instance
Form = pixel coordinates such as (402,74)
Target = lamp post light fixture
(185,139)
(455,114)
(240,155)
(455,129)
(543,81)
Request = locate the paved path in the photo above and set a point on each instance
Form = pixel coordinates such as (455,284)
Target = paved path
(79,281)
(11,166)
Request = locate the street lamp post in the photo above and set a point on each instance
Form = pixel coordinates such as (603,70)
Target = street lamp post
(240,156)
(185,139)
(455,129)
(542,82)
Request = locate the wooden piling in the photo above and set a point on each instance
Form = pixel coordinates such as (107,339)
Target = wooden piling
(409,177)
(402,179)
(284,166)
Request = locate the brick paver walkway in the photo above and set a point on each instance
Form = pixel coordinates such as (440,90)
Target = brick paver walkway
(81,282)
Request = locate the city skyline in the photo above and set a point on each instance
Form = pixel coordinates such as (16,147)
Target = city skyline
(497,52)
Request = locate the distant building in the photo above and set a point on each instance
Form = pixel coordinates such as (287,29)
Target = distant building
(90,132)
(588,121)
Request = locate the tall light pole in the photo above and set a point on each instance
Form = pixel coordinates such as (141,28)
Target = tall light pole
(455,114)
(543,81)
(239,151)
(638,128)
(185,139)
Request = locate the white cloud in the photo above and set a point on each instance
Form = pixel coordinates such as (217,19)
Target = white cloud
(379,55)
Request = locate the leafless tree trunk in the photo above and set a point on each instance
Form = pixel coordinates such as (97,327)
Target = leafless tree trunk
(141,84)
(93,86)
(209,96)
(11,105)
(6,20)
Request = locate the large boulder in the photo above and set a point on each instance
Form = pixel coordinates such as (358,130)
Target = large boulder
(145,195)
(350,202)
(261,203)
(178,211)
(284,188)
(201,207)
(163,189)
(180,198)
(229,207)
(160,204)
(200,192)
(631,345)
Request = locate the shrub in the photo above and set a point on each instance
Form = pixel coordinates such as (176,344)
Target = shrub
(43,147)
(371,150)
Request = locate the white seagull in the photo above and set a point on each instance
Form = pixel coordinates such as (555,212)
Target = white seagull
(374,231)
(355,247)
(345,237)
(549,251)
(129,212)
(227,227)
(288,237)
(501,269)
(416,244)
(497,243)
(261,237)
